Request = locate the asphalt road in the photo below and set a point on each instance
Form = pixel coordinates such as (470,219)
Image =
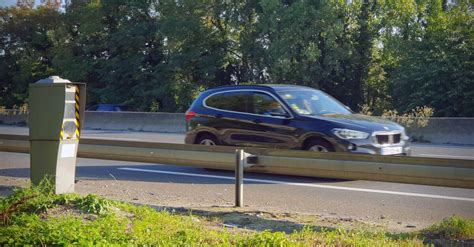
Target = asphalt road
(393,205)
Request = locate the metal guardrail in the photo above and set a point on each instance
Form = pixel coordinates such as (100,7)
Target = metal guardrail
(413,170)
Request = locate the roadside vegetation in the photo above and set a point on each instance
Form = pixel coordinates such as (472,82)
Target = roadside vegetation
(452,228)
(36,216)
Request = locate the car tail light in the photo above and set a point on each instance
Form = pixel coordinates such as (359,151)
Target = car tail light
(189,115)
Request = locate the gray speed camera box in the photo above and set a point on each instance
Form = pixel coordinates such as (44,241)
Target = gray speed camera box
(55,120)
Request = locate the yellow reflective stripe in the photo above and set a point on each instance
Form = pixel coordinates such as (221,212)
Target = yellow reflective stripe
(78,115)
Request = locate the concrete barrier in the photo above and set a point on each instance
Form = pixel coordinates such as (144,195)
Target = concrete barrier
(445,131)
(132,121)
(136,121)
(13,117)
(438,131)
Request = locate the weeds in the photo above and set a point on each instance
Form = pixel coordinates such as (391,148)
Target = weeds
(94,204)
(38,217)
(6,213)
(419,116)
(454,227)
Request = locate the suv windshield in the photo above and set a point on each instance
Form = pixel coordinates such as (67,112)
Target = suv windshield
(312,102)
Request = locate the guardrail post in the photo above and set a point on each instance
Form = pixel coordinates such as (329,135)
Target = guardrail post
(242,161)
(239,177)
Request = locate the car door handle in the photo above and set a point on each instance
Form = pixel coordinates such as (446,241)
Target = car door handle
(257,121)
(218,115)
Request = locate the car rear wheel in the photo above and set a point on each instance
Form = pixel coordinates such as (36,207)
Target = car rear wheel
(319,145)
(207,140)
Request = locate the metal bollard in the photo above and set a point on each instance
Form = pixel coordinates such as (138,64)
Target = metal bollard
(239,177)
(241,161)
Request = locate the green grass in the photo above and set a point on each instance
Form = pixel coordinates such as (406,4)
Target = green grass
(452,228)
(35,216)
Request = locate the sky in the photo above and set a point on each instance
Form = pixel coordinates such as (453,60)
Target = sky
(8,3)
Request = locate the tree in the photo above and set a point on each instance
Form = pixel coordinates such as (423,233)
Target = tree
(436,66)
(321,44)
(158,55)
(26,50)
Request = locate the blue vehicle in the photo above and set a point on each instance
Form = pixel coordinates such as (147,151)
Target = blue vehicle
(108,107)
(290,117)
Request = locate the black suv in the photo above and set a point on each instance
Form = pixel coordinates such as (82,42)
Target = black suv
(287,116)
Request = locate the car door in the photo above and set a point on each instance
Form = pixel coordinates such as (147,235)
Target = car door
(273,122)
(231,117)
(246,118)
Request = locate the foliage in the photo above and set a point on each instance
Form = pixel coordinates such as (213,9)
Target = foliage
(419,116)
(453,227)
(436,59)
(48,219)
(94,204)
(159,55)
(25,50)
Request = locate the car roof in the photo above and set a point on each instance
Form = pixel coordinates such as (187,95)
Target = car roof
(284,87)
(100,104)
(276,87)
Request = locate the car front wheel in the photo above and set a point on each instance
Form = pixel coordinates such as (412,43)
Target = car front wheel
(319,145)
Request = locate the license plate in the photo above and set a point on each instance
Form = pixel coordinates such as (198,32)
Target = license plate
(391,150)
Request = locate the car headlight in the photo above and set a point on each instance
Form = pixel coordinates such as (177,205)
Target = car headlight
(347,134)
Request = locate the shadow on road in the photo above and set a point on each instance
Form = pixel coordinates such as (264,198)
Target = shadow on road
(6,190)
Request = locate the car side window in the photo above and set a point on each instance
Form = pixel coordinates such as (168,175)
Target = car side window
(238,101)
(264,104)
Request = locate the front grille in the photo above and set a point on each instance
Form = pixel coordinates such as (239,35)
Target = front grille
(388,138)
(396,138)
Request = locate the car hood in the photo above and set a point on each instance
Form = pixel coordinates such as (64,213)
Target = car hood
(360,122)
